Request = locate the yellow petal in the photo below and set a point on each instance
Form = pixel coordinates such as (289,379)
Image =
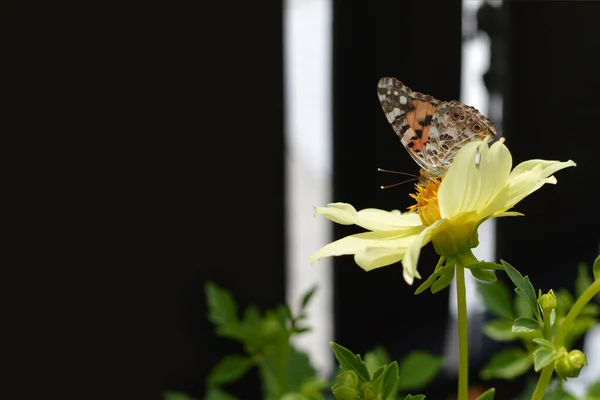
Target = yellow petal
(411,258)
(508,214)
(548,167)
(468,185)
(376,257)
(494,170)
(459,181)
(370,218)
(354,244)
(525,179)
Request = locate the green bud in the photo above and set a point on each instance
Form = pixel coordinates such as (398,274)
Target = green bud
(348,379)
(270,327)
(569,365)
(345,393)
(368,391)
(548,301)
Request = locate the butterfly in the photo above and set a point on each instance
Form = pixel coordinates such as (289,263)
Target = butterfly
(432,131)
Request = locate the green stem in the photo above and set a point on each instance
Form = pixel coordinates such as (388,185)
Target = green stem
(463,339)
(547,327)
(543,382)
(564,328)
(546,374)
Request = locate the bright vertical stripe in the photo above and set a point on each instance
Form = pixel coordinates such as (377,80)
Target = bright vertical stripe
(308,159)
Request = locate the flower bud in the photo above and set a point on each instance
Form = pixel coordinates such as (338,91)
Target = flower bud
(348,379)
(569,365)
(369,392)
(548,301)
(345,393)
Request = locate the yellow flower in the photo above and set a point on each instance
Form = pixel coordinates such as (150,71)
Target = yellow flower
(447,213)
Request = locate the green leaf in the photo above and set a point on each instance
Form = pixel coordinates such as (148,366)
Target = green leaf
(229,369)
(579,327)
(298,330)
(593,392)
(500,330)
(350,361)
(486,265)
(307,297)
(543,357)
(544,343)
(390,379)
(583,280)
(496,299)
(294,396)
(376,358)
(558,394)
(382,355)
(414,397)
(372,363)
(299,370)
(524,324)
(378,373)
(564,302)
(507,364)
(313,388)
(251,331)
(484,275)
(590,310)
(218,394)
(487,395)
(521,307)
(596,268)
(417,369)
(444,280)
(222,309)
(523,287)
(432,278)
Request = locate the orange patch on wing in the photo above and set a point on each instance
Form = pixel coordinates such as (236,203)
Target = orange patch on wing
(417,146)
(421,111)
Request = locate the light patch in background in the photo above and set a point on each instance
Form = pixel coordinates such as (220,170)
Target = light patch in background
(308,166)
(475,63)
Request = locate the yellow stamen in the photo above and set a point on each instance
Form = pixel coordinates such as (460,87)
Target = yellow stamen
(427,202)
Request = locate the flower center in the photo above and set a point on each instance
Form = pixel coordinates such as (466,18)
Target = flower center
(427,202)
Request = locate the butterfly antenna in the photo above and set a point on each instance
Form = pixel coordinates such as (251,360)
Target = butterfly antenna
(414,177)
(399,183)
(396,172)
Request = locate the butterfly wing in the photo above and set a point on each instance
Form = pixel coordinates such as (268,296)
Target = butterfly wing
(453,125)
(410,114)
(432,131)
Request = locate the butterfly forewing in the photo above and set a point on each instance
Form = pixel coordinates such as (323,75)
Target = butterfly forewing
(410,114)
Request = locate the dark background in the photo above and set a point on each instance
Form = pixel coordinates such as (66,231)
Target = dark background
(162,153)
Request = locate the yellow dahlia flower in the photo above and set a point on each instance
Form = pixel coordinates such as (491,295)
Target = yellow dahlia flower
(447,213)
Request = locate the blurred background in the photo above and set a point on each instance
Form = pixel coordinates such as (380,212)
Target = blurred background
(302,125)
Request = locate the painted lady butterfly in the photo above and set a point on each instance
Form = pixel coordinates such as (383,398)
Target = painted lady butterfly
(432,131)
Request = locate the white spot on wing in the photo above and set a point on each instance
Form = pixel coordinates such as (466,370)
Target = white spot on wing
(390,116)
(396,111)
(403,100)
(395,93)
